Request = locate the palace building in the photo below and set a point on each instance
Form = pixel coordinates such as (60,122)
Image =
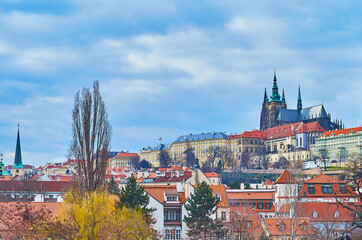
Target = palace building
(274,111)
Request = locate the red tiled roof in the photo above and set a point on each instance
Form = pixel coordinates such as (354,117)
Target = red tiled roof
(286,177)
(249,134)
(310,127)
(212,174)
(125,154)
(322,178)
(157,192)
(168,178)
(251,195)
(34,186)
(273,229)
(342,131)
(239,216)
(175,167)
(268,182)
(282,131)
(325,211)
(220,190)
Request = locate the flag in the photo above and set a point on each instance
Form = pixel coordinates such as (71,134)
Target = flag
(160,139)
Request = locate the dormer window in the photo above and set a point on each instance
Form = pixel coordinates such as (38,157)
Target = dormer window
(315,214)
(171,195)
(336,214)
(342,188)
(311,189)
(171,198)
(327,189)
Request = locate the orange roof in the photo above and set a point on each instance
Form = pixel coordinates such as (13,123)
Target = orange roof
(325,211)
(157,192)
(220,190)
(239,216)
(251,195)
(175,167)
(268,182)
(342,131)
(212,174)
(322,178)
(274,223)
(125,154)
(286,177)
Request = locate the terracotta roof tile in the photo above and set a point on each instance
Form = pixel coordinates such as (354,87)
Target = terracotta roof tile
(220,190)
(125,154)
(212,174)
(286,177)
(342,131)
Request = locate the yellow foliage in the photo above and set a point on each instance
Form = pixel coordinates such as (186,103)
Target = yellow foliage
(93,215)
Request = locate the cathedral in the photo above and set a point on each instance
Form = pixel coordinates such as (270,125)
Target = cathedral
(274,111)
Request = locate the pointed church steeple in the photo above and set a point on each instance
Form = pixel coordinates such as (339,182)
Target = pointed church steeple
(18,163)
(283,96)
(266,99)
(299,103)
(275,94)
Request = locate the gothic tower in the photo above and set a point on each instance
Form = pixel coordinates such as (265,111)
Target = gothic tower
(271,106)
(18,168)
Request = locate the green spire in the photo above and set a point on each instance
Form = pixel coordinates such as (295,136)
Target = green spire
(17,161)
(275,94)
(283,96)
(266,99)
(299,103)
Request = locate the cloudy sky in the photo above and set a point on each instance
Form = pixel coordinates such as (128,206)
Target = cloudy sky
(168,68)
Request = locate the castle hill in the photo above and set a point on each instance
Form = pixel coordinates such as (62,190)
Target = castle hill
(180,120)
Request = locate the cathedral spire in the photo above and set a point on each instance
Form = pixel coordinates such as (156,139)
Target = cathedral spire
(266,99)
(283,96)
(275,94)
(18,161)
(299,103)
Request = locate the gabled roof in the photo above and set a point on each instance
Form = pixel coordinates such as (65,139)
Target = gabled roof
(168,178)
(285,178)
(253,134)
(292,115)
(212,174)
(273,224)
(202,136)
(220,190)
(342,131)
(310,127)
(268,182)
(322,178)
(158,193)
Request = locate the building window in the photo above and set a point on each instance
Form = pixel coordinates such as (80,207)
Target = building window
(311,189)
(327,189)
(304,227)
(260,205)
(172,234)
(343,188)
(252,205)
(171,198)
(248,224)
(267,205)
(223,216)
(315,214)
(172,214)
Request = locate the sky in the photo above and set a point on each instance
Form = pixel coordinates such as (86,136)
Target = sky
(169,68)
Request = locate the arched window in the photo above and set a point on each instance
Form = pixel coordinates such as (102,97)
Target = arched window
(315,214)
(336,214)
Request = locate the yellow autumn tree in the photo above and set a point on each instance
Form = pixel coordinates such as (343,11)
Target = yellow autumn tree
(93,215)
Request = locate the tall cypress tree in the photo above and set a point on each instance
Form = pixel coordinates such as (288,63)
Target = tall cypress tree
(200,206)
(112,187)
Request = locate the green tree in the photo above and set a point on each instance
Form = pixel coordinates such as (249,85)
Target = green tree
(200,207)
(112,187)
(219,167)
(164,158)
(145,164)
(134,197)
(235,185)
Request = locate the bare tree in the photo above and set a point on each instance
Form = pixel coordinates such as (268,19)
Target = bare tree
(92,132)
(227,157)
(189,153)
(212,153)
(164,158)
